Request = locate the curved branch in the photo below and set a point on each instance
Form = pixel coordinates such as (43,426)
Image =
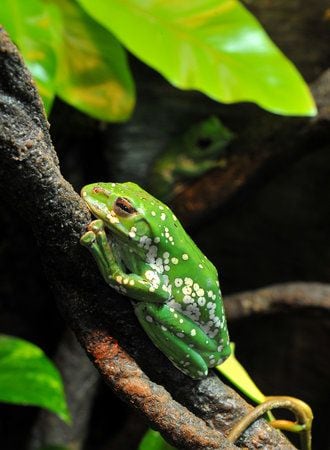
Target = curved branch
(30,178)
(278,298)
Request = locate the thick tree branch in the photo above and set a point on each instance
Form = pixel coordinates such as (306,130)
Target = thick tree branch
(31,180)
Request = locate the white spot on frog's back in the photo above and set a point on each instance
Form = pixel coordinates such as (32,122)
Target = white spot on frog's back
(201,301)
(163,216)
(188,281)
(186,290)
(178,282)
(185,257)
(196,286)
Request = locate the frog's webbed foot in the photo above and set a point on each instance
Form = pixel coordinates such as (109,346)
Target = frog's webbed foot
(95,239)
(135,286)
(303,424)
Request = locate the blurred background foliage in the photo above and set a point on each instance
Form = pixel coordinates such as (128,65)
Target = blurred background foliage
(28,377)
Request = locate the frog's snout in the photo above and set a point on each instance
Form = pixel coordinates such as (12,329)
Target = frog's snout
(98,199)
(94,190)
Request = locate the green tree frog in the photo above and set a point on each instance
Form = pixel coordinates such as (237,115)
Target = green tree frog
(144,253)
(201,148)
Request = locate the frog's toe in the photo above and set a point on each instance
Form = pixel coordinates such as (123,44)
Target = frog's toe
(96,226)
(88,239)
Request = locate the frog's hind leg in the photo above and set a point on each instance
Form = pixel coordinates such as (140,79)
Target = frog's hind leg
(182,355)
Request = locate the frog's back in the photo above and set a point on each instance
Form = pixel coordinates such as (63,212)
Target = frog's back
(189,277)
(192,278)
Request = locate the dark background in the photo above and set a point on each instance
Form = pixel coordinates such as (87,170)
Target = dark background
(274,228)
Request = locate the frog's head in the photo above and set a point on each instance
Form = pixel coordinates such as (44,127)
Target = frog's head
(207,139)
(123,207)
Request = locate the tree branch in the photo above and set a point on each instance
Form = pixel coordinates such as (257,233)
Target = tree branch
(284,297)
(31,180)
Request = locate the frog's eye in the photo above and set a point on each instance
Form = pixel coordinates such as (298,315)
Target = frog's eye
(123,207)
(204,143)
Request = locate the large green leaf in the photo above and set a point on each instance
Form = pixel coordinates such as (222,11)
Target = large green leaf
(152,440)
(215,46)
(30,25)
(93,73)
(233,370)
(28,377)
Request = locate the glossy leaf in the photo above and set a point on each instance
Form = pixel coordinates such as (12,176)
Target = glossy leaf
(215,46)
(30,25)
(152,440)
(233,370)
(28,377)
(93,71)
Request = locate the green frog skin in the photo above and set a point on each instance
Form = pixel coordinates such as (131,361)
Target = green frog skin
(201,148)
(144,253)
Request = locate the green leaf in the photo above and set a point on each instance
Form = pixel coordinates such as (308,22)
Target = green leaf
(215,46)
(152,440)
(233,370)
(28,377)
(93,75)
(30,26)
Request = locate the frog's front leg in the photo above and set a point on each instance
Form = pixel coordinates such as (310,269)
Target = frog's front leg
(135,286)
(178,337)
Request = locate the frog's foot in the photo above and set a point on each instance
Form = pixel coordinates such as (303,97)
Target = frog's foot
(95,239)
(135,286)
(95,229)
(303,424)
